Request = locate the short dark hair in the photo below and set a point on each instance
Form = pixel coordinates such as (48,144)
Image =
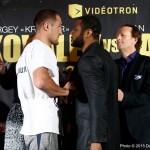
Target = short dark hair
(91,22)
(43,15)
(136,34)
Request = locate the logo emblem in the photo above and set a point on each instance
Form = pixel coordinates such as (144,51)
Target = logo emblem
(75,10)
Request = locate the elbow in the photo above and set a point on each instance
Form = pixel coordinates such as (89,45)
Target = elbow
(39,84)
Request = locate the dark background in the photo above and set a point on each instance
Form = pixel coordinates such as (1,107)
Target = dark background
(21,13)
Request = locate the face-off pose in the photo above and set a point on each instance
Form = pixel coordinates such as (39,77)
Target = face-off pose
(38,83)
(95,77)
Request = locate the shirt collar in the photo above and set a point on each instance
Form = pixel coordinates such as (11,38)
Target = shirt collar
(130,58)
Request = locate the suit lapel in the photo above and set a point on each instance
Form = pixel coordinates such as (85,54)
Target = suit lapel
(118,62)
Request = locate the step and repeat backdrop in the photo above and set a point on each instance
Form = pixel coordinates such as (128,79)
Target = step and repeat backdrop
(16,24)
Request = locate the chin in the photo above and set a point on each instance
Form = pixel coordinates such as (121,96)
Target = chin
(56,43)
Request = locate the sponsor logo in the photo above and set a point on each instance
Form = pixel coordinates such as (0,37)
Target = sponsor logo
(75,10)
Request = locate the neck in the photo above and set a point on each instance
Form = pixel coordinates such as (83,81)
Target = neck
(86,44)
(42,38)
(126,54)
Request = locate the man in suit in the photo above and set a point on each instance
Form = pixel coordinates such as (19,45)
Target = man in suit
(134,89)
(95,78)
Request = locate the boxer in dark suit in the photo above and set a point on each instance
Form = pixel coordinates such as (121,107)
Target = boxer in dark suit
(96,78)
(134,92)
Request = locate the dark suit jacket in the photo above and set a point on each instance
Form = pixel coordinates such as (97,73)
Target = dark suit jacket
(136,101)
(96,78)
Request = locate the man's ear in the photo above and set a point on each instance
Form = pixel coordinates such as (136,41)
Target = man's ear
(89,32)
(46,26)
(135,41)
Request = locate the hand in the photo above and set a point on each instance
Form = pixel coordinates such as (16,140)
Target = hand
(69,86)
(2,67)
(120,95)
(96,146)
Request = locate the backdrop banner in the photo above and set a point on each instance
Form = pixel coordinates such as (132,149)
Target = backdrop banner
(16,24)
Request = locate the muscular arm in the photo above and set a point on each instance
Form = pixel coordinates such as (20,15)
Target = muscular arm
(44,82)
